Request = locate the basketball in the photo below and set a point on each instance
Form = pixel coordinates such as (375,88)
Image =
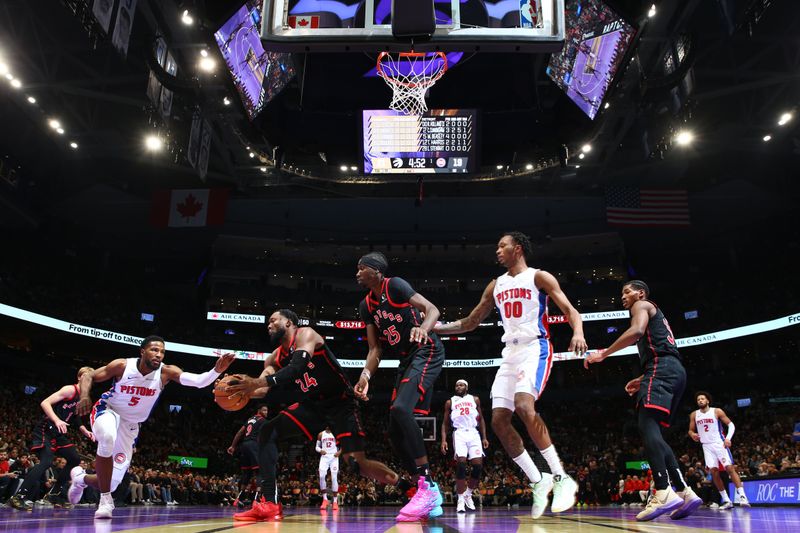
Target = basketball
(223,400)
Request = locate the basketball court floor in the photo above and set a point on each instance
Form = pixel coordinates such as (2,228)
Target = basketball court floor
(381,519)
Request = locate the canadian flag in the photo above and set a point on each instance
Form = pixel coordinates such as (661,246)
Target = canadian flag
(189,208)
(304,21)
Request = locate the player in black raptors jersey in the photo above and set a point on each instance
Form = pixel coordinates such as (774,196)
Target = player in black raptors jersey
(248,449)
(50,438)
(659,390)
(393,313)
(303,365)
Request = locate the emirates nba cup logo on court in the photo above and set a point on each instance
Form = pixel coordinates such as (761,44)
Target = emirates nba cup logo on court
(119,458)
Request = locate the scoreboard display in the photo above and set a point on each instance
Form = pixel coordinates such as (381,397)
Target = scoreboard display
(442,141)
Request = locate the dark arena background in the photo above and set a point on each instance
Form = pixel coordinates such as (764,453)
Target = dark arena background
(165,170)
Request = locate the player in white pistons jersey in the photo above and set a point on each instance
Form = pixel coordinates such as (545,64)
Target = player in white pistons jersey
(463,411)
(705,426)
(521,297)
(119,411)
(328,460)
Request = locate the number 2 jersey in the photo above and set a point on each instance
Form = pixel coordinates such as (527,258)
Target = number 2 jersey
(395,317)
(321,378)
(708,426)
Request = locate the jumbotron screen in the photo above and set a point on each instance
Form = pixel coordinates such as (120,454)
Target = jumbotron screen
(442,141)
(595,43)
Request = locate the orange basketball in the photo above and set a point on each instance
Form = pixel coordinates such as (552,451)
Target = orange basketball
(223,400)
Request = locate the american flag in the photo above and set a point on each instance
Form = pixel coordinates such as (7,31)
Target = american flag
(631,206)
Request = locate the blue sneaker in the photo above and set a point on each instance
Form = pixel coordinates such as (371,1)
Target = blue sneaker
(437,510)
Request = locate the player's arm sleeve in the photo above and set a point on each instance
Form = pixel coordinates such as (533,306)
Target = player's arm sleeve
(290,372)
(190,379)
(400,290)
(319,446)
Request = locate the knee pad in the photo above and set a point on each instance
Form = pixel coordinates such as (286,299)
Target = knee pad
(461,470)
(477,470)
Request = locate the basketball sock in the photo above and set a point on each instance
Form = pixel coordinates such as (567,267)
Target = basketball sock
(424,470)
(526,464)
(740,491)
(551,456)
(724,496)
(468,492)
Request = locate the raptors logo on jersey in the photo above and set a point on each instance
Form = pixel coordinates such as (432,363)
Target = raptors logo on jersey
(463,412)
(133,396)
(522,307)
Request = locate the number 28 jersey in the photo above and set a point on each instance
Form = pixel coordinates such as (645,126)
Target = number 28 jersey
(464,412)
(522,307)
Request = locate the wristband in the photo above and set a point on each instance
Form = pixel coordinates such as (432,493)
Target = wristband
(366,374)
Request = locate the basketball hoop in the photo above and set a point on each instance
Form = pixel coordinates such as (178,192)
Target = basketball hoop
(410,75)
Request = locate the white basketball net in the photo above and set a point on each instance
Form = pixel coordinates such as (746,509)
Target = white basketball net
(410,75)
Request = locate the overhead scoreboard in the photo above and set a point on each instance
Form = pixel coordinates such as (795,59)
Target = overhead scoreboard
(442,141)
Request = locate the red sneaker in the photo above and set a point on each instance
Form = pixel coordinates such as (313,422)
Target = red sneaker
(324,504)
(271,511)
(261,512)
(335,505)
(252,515)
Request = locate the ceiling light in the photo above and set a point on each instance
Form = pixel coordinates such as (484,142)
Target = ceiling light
(226,101)
(60,131)
(204,52)
(73,145)
(528,167)
(652,12)
(606,105)
(9,77)
(207,64)
(53,123)
(767,138)
(153,143)
(586,148)
(252,155)
(343,168)
(785,118)
(684,137)
(581,156)
(186,18)
(15,83)
(353,168)
(3,68)
(499,167)
(263,169)
(31,100)
(577,166)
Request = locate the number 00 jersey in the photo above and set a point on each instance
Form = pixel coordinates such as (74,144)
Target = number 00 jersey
(464,412)
(522,307)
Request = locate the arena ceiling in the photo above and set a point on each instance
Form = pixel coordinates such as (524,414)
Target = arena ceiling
(737,70)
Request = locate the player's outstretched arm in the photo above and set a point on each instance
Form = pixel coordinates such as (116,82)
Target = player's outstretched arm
(112,370)
(640,315)
(190,379)
(549,284)
(476,316)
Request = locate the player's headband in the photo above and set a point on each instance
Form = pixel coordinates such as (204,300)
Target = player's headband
(375,260)
(464,381)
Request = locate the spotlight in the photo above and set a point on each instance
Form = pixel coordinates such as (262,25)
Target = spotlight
(343,168)
(204,53)
(263,169)
(684,137)
(785,118)
(9,77)
(60,131)
(767,138)
(15,83)
(581,155)
(586,148)
(153,143)
(252,155)
(499,167)
(577,166)
(73,145)
(53,123)
(186,18)
(353,168)
(528,167)
(226,101)
(606,105)
(652,12)
(207,64)
(31,100)
(3,68)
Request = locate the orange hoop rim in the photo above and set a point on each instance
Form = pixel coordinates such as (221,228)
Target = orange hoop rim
(400,55)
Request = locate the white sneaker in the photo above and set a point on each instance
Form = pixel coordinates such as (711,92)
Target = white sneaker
(658,505)
(564,491)
(742,500)
(106,506)
(691,501)
(540,492)
(726,505)
(77,485)
(468,501)
(460,505)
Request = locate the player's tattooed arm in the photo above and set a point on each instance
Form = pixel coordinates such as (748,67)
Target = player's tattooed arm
(470,322)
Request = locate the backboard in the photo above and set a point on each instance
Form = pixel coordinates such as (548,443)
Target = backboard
(461,25)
